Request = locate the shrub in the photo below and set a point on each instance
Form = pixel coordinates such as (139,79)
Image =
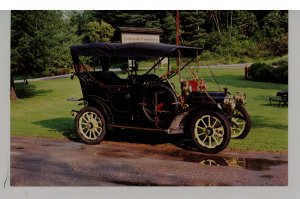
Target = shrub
(254,67)
(280,74)
(207,55)
(47,73)
(265,72)
(281,62)
(55,71)
(62,71)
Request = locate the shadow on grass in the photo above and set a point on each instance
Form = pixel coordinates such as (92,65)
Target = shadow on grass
(29,91)
(65,126)
(275,105)
(260,122)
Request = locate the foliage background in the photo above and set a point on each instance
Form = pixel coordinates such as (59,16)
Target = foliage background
(40,40)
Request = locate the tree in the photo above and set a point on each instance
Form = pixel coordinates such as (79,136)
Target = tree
(169,28)
(192,23)
(132,18)
(275,32)
(13,95)
(98,32)
(40,40)
(80,18)
(245,22)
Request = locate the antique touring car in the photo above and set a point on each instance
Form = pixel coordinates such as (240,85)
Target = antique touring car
(149,101)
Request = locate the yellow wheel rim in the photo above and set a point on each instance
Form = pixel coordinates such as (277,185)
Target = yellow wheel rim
(238,125)
(209,131)
(90,125)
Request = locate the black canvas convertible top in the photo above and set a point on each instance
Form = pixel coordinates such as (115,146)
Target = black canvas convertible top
(131,50)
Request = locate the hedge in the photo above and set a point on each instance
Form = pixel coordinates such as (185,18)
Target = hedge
(267,73)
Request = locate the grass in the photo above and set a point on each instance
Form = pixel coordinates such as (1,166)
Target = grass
(43,110)
(269,124)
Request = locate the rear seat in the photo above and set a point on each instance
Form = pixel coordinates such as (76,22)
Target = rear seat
(108,78)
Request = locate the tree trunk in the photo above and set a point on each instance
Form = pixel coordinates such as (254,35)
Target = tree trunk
(13,94)
(231,13)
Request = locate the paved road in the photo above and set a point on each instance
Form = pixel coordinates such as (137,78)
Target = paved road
(52,162)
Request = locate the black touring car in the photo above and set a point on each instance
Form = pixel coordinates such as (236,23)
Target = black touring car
(151,102)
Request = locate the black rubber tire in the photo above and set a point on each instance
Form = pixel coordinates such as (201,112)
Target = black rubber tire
(210,123)
(169,98)
(244,116)
(98,125)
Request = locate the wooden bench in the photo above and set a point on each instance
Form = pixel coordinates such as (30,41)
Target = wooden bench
(281,98)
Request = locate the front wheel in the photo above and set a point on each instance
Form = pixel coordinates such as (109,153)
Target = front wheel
(90,125)
(210,131)
(240,123)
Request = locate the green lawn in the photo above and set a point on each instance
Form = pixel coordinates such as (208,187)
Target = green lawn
(43,110)
(269,124)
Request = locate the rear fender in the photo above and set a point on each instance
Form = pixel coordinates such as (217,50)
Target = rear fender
(100,104)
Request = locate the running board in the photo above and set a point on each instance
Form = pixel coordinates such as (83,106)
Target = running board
(138,128)
(157,130)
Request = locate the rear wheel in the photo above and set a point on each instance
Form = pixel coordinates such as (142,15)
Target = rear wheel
(240,123)
(210,131)
(90,125)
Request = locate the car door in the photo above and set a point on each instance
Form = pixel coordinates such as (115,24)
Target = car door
(119,98)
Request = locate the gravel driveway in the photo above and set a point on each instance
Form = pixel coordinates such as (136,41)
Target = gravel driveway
(61,162)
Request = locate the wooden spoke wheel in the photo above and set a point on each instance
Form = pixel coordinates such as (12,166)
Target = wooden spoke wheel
(90,125)
(210,131)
